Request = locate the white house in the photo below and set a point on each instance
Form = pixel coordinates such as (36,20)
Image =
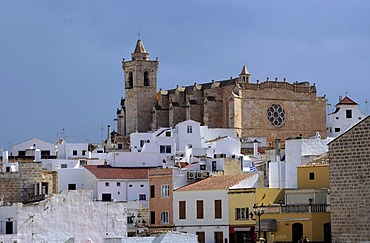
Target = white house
(71,216)
(116,183)
(283,174)
(27,148)
(202,207)
(71,150)
(347,113)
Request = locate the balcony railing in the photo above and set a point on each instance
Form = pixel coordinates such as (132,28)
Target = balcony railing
(316,208)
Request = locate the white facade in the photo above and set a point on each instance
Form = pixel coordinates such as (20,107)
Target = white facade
(136,159)
(27,147)
(344,117)
(71,215)
(71,179)
(188,133)
(118,190)
(298,152)
(71,150)
(208,224)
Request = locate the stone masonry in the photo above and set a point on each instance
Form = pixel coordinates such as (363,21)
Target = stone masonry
(350,184)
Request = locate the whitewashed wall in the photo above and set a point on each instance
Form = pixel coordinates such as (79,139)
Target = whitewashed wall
(39,144)
(70,176)
(71,214)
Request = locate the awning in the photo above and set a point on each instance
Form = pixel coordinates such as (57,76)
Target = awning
(267,225)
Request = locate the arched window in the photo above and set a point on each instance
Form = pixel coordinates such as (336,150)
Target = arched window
(146,78)
(130,80)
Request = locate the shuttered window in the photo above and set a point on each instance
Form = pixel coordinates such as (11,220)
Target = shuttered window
(218,209)
(199,209)
(182,210)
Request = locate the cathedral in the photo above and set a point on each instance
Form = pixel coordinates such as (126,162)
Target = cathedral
(271,109)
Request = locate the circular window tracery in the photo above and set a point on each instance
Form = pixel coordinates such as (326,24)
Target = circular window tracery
(276,115)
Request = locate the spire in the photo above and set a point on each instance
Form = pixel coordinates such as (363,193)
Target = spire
(244,75)
(139,47)
(140,52)
(244,71)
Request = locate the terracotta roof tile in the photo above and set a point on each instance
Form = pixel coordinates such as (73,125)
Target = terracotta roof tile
(216,182)
(347,101)
(109,172)
(322,160)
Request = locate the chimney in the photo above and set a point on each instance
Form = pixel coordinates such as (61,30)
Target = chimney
(109,135)
(277,149)
(255,148)
(5,157)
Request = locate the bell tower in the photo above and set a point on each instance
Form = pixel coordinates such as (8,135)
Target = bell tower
(140,76)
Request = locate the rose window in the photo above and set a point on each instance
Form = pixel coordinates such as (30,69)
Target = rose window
(276,115)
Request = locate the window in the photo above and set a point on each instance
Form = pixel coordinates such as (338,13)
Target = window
(83,162)
(168,134)
(152,217)
(83,152)
(71,186)
(63,166)
(348,113)
(9,227)
(130,219)
(118,183)
(130,185)
(74,152)
(337,129)
(146,78)
(189,129)
(107,184)
(241,213)
(165,191)
(152,191)
(202,167)
(182,209)
(130,80)
(201,237)
(218,209)
(165,217)
(165,149)
(141,185)
(142,142)
(311,176)
(276,115)
(214,166)
(142,196)
(106,197)
(199,209)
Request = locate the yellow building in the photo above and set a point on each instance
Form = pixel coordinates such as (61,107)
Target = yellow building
(242,220)
(304,211)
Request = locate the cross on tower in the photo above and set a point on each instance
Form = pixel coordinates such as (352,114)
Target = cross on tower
(139,34)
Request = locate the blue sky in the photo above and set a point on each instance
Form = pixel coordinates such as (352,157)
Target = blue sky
(60,61)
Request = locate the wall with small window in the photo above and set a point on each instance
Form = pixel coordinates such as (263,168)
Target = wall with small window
(315,176)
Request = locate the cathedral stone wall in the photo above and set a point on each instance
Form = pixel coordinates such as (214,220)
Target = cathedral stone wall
(270,109)
(349,170)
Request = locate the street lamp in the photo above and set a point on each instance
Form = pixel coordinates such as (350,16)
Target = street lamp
(258,211)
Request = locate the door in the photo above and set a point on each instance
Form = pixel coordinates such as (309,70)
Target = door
(219,237)
(297,231)
(327,232)
(9,227)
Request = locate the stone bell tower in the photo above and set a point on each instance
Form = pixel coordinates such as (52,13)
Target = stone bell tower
(140,75)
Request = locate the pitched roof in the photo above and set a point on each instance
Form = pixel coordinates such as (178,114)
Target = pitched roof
(216,182)
(109,172)
(347,101)
(139,47)
(322,160)
(244,71)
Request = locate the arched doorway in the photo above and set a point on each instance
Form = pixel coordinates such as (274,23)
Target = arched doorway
(297,232)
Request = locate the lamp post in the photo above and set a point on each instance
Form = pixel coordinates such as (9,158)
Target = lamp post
(258,211)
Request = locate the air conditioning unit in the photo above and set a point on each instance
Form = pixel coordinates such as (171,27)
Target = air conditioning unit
(199,175)
(191,175)
(205,174)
